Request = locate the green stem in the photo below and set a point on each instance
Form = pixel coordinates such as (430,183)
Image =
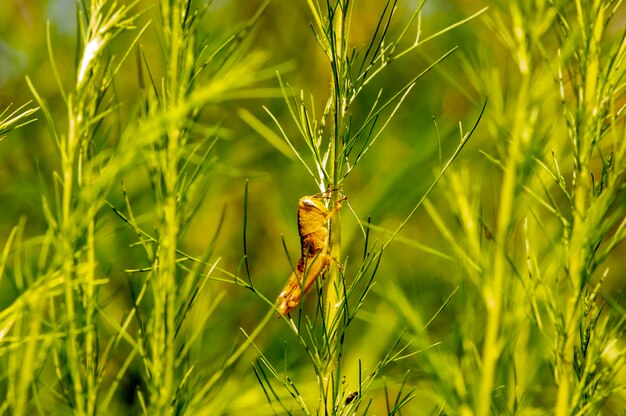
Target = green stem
(578,245)
(89,304)
(165,296)
(493,292)
(67,254)
(335,284)
(577,253)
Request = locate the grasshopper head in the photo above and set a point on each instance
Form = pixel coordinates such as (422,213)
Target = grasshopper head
(311,203)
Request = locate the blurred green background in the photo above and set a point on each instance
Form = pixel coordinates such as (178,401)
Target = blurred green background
(386,185)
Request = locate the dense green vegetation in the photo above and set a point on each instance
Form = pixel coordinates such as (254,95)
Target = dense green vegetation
(152,154)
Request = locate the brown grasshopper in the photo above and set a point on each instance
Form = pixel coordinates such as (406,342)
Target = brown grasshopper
(314,257)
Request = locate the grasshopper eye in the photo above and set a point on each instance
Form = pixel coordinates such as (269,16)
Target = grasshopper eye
(308,203)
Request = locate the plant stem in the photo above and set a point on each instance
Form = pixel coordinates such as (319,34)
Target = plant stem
(493,292)
(89,304)
(165,294)
(587,116)
(335,284)
(67,254)
(577,253)
(79,207)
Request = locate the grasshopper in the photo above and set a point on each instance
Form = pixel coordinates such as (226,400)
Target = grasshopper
(315,257)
